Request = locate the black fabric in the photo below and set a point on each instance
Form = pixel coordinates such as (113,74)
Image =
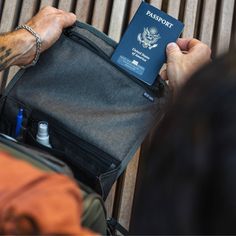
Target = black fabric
(97,114)
(186,182)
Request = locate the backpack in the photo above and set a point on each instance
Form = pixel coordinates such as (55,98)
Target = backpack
(97,114)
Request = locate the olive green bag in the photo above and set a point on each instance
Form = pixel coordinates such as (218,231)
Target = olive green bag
(94,213)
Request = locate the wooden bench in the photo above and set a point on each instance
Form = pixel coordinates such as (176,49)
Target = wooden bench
(212,21)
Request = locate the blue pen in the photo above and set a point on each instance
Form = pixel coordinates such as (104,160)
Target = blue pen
(19,120)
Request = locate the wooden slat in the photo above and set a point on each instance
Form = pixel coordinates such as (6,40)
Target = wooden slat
(1,78)
(3,81)
(82,10)
(128,192)
(65,5)
(12,71)
(115,31)
(225,26)
(100,13)
(234,43)
(8,19)
(109,203)
(1,6)
(45,3)
(156,3)
(27,10)
(9,15)
(234,28)
(133,8)
(117,19)
(174,8)
(207,21)
(190,17)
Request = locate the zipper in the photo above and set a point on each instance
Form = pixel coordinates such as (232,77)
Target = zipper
(84,41)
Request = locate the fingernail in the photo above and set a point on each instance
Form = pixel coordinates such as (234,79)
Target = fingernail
(171,46)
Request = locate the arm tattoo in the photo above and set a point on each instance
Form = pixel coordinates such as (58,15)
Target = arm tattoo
(5,54)
(16,48)
(2,49)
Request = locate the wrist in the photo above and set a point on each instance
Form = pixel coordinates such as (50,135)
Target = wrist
(24,45)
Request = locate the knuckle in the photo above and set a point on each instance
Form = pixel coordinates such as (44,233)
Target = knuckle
(209,52)
(46,8)
(73,16)
(205,48)
(57,19)
(49,9)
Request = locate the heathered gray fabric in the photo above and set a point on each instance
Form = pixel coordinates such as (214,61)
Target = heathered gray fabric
(104,46)
(89,97)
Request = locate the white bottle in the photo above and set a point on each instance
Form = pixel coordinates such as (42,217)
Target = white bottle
(42,136)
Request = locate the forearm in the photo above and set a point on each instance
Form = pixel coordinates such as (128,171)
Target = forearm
(19,47)
(16,48)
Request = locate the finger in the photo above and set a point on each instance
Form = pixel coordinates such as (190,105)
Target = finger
(67,19)
(199,46)
(200,51)
(183,43)
(173,53)
(164,75)
(60,11)
(193,43)
(186,44)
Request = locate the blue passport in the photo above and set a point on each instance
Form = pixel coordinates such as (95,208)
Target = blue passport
(142,49)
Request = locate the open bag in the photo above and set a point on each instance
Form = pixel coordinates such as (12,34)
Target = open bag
(98,115)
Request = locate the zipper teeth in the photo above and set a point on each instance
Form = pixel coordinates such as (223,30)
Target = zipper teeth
(82,144)
(106,58)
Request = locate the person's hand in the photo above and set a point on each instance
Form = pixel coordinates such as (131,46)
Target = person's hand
(48,23)
(183,59)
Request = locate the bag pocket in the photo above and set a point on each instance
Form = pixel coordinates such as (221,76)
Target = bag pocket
(157,89)
(89,164)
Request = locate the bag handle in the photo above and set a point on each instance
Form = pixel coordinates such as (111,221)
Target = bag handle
(116,226)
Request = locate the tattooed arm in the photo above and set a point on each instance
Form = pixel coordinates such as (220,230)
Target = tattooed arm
(16,47)
(19,47)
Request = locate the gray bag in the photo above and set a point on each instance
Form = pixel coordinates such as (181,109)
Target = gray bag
(98,114)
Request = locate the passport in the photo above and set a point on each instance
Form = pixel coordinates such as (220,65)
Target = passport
(142,49)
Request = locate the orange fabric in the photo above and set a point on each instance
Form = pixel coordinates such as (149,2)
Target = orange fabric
(36,202)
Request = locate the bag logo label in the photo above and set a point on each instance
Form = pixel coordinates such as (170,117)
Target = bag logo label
(148,96)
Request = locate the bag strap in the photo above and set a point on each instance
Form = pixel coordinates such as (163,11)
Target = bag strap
(114,225)
(4,81)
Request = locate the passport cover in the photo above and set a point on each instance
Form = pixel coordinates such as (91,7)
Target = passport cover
(142,49)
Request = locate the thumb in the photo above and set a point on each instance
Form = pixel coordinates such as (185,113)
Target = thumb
(173,52)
